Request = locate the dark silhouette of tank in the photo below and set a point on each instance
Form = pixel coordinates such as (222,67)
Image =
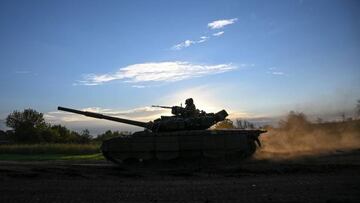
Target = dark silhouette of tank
(186,134)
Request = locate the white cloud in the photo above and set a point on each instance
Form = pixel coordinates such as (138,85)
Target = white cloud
(183,44)
(157,72)
(277,73)
(139,86)
(203,39)
(218,33)
(188,43)
(217,24)
(213,25)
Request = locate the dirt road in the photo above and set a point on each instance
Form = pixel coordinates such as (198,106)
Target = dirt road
(327,178)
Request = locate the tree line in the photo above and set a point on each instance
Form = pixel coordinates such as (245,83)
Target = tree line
(29,126)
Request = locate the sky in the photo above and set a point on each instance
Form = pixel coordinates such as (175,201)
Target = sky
(256,59)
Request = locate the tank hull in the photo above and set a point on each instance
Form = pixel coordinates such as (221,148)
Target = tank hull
(195,144)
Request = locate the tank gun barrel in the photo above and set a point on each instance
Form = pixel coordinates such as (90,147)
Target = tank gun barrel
(166,124)
(101,116)
(164,107)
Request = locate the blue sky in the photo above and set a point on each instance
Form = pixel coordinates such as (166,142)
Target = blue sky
(253,58)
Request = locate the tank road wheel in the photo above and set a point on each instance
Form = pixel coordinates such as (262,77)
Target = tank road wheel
(251,150)
(108,156)
(252,141)
(245,153)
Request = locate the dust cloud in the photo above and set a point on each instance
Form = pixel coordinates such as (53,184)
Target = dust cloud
(297,137)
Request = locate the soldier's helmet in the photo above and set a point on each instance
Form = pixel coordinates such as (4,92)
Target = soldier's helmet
(189,101)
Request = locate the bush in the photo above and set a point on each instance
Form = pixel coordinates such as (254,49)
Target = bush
(244,124)
(225,124)
(109,134)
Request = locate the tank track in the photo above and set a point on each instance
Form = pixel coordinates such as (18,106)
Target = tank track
(184,145)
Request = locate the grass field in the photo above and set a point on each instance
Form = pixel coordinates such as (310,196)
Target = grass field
(49,157)
(42,152)
(50,149)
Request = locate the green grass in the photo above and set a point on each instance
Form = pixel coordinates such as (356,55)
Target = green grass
(70,149)
(50,157)
(45,152)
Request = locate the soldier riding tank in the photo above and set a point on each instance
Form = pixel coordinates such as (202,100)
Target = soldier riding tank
(186,134)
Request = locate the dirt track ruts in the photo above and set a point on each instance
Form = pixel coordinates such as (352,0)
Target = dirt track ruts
(328,178)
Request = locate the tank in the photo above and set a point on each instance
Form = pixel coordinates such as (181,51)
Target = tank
(186,134)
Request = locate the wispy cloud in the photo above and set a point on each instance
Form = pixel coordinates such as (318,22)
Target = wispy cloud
(217,24)
(139,86)
(188,43)
(275,71)
(156,72)
(218,33)
(183,44)
(203,39)
(212,25)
